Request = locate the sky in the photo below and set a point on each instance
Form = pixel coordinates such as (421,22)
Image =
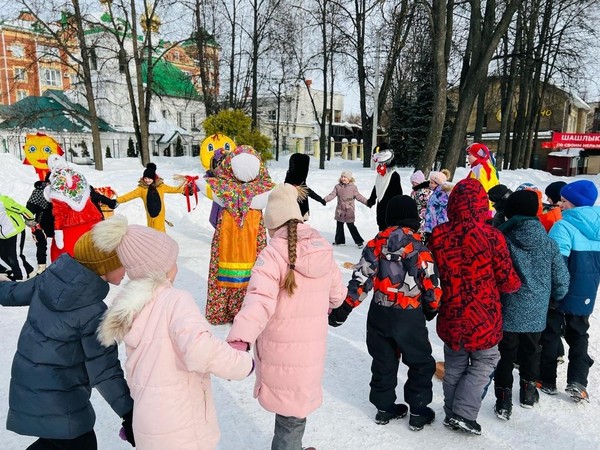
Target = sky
(345,421)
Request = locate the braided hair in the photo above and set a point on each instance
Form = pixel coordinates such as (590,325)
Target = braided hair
(289,282)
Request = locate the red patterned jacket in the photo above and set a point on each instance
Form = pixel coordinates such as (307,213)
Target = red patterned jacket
(399,269)
(475,268)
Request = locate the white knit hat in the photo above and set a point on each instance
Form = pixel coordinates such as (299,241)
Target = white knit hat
(282,206)
(438,177)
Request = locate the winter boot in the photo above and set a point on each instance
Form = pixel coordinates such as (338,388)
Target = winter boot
(468,425)
(419,417)
(398,411)
(503,407)
(528,394)
(547,388)
(577,391)
(448,423)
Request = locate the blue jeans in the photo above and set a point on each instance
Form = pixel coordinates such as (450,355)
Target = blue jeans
(288,433)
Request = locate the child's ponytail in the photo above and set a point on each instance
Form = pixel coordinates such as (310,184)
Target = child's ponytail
(289,282)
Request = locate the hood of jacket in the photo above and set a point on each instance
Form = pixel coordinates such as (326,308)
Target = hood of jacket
(313,253)
(66,285)
(156,183)
(523,231)
(586,219)
(118,319)
(468,202)
(298,170)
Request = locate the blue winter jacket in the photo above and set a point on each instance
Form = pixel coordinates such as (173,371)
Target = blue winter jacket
(578,238)
(58,358)
(542,270)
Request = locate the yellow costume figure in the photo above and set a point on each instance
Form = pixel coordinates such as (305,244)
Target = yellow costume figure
(151,189)
(482,167)
(38,147)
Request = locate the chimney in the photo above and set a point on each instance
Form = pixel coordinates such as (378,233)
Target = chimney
(308,83)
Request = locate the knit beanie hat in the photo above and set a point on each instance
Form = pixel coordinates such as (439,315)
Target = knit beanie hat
(438,178)
(150,171)
(400,208)
(553,190)
(282,206)
(580,193)
(143,251)
(89,255)
(522,203)
(417,177)
(498,193)
(347,174)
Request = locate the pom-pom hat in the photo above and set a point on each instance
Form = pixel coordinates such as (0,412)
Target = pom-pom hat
(282,206)
(438,178)
(89,255)
(417,177)
(580,193)
(150,171)
(143,251)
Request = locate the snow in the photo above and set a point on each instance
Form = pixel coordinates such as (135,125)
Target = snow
(345,420)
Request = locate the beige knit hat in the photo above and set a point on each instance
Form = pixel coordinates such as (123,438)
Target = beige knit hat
(438,177)
(143,251)
(282,206)
(89,255)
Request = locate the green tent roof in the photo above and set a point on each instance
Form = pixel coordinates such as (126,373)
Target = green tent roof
(169,80)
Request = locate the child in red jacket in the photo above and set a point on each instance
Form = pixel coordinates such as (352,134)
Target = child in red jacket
(475,268)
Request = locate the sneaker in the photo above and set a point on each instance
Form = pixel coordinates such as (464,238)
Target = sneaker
(470,426)
(361,245)
(448,423)
(383,417)
(416,422)
(577,391)
(528,394)
(547,388)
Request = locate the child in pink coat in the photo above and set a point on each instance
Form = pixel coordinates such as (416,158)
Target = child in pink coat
(294,282)
(171,352)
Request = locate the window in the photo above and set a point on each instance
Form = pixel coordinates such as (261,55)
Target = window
(73,79)
(193,120)
(122,61)
(176,56)
(272,115)
(93,58)
(179,119)
(46,52)
(17,50)
(164,113)
(21,94)
(20,74)
(51,77)
(337,115)
(485,120)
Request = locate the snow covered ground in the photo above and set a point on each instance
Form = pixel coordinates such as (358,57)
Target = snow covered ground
(345,420)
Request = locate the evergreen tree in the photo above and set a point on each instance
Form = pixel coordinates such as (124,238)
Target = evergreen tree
(107,154)
(178,147)
(131,149)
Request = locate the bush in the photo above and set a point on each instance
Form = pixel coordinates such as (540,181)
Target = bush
(131,153)
(238,126)
(107,154)
(178,147)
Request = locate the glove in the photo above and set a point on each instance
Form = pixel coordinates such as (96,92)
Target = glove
(59,239)
(429,314)
(370,203)
(323,202)
(239,345)
(126,432)
(339,315)
(113,203)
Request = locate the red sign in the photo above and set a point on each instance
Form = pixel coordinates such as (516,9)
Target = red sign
(574,140)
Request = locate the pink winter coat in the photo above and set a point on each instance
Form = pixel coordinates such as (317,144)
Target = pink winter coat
(290,332)
(346,194)
(171,354)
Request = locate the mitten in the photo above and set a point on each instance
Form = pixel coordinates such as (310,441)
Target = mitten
(239,345)
(429,314)
(59,239)
(126,432)
(323,202)
(339,315)
(113,203)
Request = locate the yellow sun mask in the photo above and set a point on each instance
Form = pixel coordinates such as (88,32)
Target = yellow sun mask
(38,147)
(211,144)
